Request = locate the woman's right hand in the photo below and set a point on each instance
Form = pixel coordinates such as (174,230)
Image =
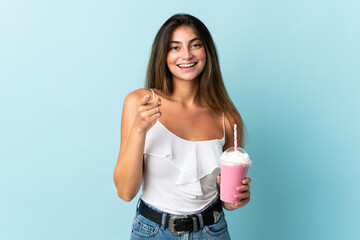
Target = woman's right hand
(147,112)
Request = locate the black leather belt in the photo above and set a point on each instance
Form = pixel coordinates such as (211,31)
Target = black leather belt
(181,224)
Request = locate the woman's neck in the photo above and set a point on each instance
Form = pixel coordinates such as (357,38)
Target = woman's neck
(186,93)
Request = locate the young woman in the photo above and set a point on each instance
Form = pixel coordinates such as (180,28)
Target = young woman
(172,135)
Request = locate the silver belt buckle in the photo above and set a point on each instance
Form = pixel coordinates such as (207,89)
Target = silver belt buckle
(172,224)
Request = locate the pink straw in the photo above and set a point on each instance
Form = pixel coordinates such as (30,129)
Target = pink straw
(235,137)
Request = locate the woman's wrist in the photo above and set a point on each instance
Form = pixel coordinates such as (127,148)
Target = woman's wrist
(137,130)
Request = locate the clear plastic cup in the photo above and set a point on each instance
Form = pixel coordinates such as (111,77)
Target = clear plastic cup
(234,168)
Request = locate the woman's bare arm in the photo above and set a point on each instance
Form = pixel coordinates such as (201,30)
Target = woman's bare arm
(139,112)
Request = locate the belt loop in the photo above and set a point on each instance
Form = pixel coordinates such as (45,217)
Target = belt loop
(201,221)
(137,204)
(163,221)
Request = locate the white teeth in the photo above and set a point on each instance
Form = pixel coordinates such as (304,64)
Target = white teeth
(186,65)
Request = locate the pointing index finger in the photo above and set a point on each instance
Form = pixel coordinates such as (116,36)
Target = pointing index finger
(144,100)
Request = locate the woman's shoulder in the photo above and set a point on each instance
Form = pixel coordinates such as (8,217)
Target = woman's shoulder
(132,99)
(231,118)
(134,96)
(139,93)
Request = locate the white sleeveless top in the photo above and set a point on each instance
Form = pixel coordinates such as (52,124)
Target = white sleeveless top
(180,175)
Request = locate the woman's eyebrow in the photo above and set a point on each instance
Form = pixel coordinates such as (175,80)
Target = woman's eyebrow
(192,40)
(195,39)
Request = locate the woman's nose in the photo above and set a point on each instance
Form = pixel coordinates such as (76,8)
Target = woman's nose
(187,54)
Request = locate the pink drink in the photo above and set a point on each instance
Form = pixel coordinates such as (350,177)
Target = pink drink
(234,167)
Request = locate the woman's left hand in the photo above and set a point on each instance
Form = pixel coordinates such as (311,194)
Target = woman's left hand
(243,195)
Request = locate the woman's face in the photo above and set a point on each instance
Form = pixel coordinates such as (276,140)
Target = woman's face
(186,57)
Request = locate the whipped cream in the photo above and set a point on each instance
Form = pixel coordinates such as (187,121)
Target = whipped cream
(231,157)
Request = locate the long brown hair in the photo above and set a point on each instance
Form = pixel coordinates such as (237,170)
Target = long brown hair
(211,85)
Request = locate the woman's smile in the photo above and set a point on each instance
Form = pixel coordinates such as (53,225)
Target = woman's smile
(186,65)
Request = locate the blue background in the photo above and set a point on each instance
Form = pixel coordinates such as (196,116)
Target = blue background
(291,68)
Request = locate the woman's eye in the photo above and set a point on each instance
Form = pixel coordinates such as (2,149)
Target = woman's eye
(174,48)
(197,45)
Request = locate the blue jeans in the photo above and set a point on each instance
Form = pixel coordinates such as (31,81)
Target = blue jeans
(143,228)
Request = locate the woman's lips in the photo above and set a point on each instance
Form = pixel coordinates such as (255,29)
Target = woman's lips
(186,65)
